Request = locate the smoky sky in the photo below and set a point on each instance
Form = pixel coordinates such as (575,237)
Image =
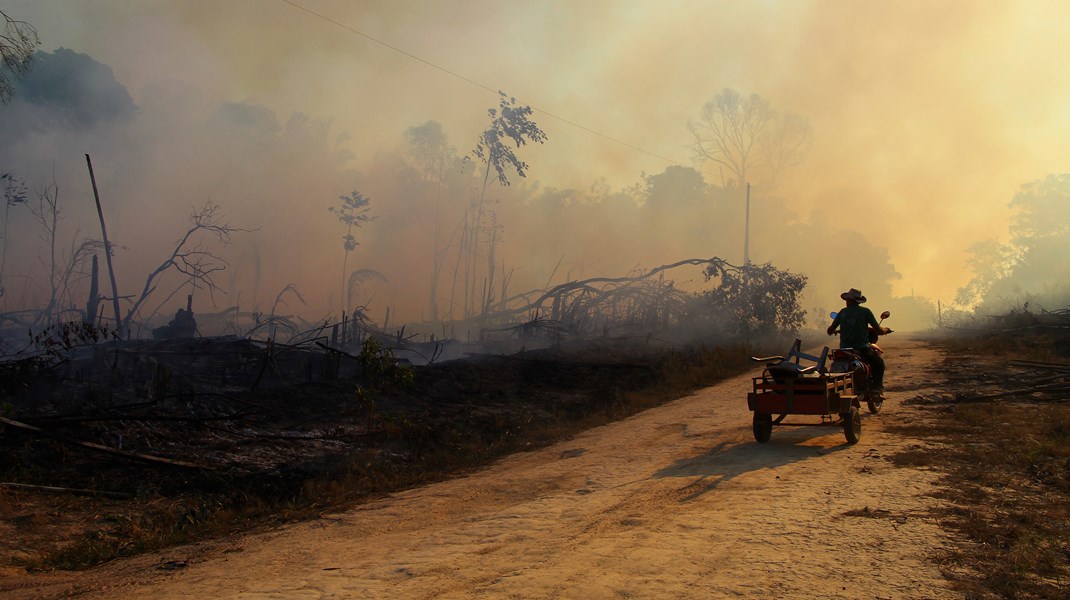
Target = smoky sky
(927,118)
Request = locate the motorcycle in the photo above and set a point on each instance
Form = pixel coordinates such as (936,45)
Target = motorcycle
(850,360)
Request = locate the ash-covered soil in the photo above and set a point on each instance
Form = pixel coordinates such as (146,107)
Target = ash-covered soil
(176,449)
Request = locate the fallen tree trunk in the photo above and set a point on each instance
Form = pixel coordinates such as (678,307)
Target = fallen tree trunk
(1055,387)
(587,283)
(63,490)
(99,447)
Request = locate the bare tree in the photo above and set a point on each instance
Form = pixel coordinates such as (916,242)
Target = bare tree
(18,42)
(786,144)
(47,215)
(62,270)
(14,192)
(747,139)
(190,256)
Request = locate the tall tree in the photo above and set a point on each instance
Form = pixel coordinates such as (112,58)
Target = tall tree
(747,139)
(1042,211)
(989,262)
(432,151)
(18,42)
(77,91)
(1040,236)
(1035,259)
(509,121)
(352,212)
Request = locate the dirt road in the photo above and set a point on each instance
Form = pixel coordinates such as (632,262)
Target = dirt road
(676,502)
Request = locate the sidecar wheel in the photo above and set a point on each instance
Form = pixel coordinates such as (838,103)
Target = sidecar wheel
(763,427)
(852,425)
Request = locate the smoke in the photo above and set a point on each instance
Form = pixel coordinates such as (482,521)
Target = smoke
(927,118)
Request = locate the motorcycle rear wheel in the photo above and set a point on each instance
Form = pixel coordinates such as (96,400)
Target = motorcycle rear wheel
(874,402)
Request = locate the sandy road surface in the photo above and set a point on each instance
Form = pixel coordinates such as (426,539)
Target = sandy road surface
(676,502)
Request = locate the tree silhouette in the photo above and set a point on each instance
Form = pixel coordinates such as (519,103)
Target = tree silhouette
(747,139)
(432,151)
(18,42)
(13,191)
(190,257)
(1034,262)
(352,212)
(1043,211)
(755,299)
(509,121)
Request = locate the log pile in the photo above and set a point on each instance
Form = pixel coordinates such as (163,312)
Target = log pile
(1034,380)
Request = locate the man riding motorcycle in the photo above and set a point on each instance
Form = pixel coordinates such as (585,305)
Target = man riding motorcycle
(854,321)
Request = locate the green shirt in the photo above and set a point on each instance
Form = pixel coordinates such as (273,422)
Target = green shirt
(854,322)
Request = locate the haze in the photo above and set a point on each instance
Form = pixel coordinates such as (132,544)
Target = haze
(927,118)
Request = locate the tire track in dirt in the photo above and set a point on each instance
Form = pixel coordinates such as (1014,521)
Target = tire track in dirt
(678,501)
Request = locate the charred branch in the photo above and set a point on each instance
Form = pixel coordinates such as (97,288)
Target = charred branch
(189,256)
(137,456)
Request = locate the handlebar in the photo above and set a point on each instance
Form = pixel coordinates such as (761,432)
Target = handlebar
(882,331)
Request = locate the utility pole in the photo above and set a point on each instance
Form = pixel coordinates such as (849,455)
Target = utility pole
(746,231)
(746,243)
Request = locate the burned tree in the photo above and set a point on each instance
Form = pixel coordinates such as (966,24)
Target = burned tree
(508,122)
(649,301)
(357,313)
(190,257)
(63,272)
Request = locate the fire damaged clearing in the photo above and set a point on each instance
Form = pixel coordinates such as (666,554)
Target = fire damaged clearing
(1002,425)
(133,446)
(115,446)
(128,447)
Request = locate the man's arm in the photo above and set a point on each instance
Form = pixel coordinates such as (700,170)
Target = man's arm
(832,328)
(875,323)
(872,320)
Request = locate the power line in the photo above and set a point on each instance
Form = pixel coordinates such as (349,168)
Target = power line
(474,82)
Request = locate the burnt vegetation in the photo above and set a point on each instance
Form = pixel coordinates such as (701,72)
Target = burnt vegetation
(133,445)
(124,429)
(1003,429)
(132,432)
(256,410)
(127,430)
